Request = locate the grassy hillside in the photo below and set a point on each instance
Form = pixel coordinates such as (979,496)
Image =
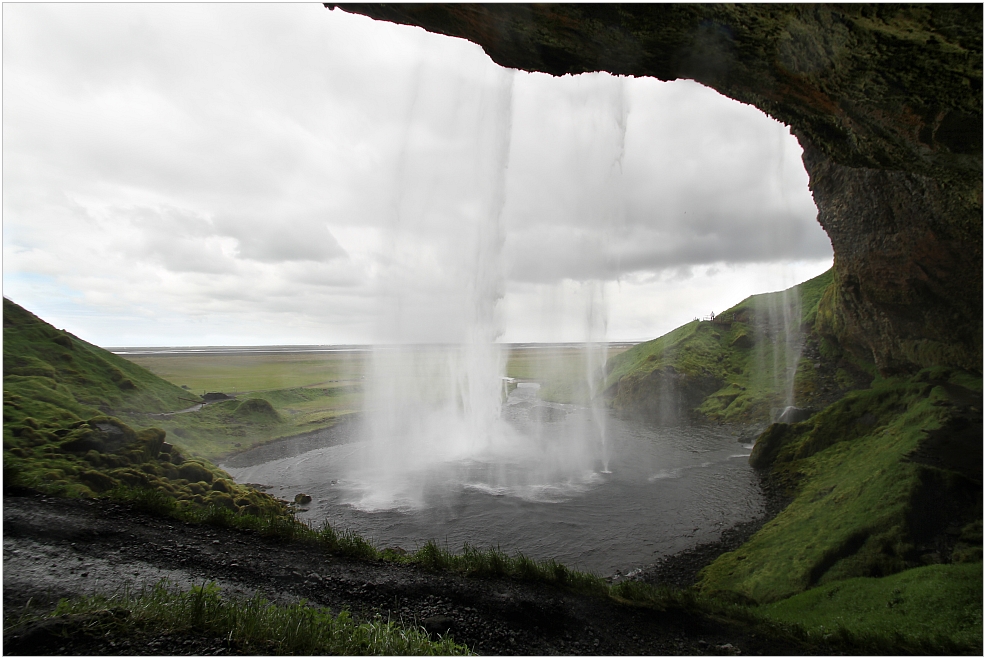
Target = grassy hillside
(740,368)
(252,419)
(63,400)
(36,355)
(884,528)
(887,479)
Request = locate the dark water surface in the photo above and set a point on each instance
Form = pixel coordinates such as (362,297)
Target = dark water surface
(660,490)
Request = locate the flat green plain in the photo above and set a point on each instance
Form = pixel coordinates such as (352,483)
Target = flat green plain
(257,372)
(251,372)
(309,391)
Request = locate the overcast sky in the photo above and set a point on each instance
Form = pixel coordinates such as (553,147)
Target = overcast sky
(188,174)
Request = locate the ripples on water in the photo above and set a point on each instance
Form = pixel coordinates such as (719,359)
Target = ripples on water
(666,489)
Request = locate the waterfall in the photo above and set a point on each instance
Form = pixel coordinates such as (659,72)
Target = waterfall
(779,344)
(427,401)
(433,409)
(595,350)
(613,214)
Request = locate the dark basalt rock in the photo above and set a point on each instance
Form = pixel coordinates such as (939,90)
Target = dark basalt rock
(770,442)
(664,396)
(885,99)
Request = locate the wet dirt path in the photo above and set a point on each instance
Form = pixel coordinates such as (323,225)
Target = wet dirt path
(58,548)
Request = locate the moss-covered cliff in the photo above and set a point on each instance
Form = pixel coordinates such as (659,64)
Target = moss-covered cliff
(885,99)
(884,476)
(63,401)
(884,480)
(743,367)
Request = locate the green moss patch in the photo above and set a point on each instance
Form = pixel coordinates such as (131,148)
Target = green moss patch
(95,378)
(937,604)
(59,435)
(863,506)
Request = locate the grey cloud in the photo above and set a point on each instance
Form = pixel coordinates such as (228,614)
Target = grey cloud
(280,240)
(551,253)
(186,255)
(184,240)
(177,239)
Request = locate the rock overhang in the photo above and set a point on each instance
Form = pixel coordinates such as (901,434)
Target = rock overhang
(886,101)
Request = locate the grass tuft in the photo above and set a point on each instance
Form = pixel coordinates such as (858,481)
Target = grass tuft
(250,626)
(494,563)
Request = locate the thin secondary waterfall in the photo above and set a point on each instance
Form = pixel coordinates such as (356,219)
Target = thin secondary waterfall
(780,344)
(613,215)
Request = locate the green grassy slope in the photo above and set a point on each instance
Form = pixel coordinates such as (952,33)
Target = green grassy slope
(733,370)
(60,435)
(933,609)
(885,479)
(38,355)
(228,426)
(871,495)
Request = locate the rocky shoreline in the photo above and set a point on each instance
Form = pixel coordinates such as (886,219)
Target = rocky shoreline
(63,547)
(345,430)
(681,570)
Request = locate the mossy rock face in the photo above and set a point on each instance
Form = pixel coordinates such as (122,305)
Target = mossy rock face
(131,477)
(221,499)
(150,441)
(770,442)
(198,488)
(84,441)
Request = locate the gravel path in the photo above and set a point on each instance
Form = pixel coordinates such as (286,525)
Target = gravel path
(59,547)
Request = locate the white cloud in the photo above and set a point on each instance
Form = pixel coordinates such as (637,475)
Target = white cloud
(188,173)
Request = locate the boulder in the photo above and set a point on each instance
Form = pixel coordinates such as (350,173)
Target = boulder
(769,444)
(192,472)
(792,414)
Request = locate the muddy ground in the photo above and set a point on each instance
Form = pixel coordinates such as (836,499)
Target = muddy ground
(56,548)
